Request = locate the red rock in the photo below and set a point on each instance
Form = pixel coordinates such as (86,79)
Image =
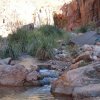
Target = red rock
(80,83)
(81,12)
(32,76)
(12,75)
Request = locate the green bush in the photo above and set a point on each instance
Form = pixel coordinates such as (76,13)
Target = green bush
(16,44)
(81,29)
(84,28)
(43,40)
(49,30)
(33,43)
(38,42)
(91,26)
(45,49)
(20,38)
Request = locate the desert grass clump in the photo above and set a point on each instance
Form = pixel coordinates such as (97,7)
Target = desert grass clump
(38,42)
(45,50)
(49,30)
(81,29)
(16,44)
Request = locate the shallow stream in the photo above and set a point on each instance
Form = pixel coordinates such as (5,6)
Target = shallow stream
(27,93)
(32,93)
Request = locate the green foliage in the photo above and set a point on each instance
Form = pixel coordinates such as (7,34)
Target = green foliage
(11,51)
(84,28)
(33,42)
(38,42)
(98,30)
(20,38)
(43,41)
(50,30)
(91,26)
(45,50)
(16,44)
(81,29)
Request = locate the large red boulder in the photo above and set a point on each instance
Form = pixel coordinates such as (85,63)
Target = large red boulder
(80,83)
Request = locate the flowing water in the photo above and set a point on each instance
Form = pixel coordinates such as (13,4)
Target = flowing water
(32,93)
(27,93)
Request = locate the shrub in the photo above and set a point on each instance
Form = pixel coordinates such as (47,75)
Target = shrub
(91,26)
(49,30)
(45,49)
(38,42)
(20,38)
(16,44)
(33,43)
(88,27)
(81,29)
(43,40)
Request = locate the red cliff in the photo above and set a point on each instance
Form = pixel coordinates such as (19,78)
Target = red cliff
(80,12)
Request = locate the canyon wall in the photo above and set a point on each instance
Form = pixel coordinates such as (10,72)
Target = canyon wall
(80,12)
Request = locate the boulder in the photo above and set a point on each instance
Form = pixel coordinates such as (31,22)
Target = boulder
(87,92)
(12,75)
(81,83)
(32,76)
(27,61)
(32,79)
(5,61)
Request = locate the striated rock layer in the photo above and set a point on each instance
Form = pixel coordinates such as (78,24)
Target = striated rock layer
(81,12)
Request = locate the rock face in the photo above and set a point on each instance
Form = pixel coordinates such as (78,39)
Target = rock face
(81,12)
(81,83)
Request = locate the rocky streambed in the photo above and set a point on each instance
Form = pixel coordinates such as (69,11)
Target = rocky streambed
(28,79)
(79,84)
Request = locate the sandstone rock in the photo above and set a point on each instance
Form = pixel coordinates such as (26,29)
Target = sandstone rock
(91,98)
(14,62)
(32,79)
(80,12)
(5,61)
(28,62)
(92,90)
(79,83)
(32,83)
(60,85)
(12,75)
(76,65)
(32,76)
(58,65)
